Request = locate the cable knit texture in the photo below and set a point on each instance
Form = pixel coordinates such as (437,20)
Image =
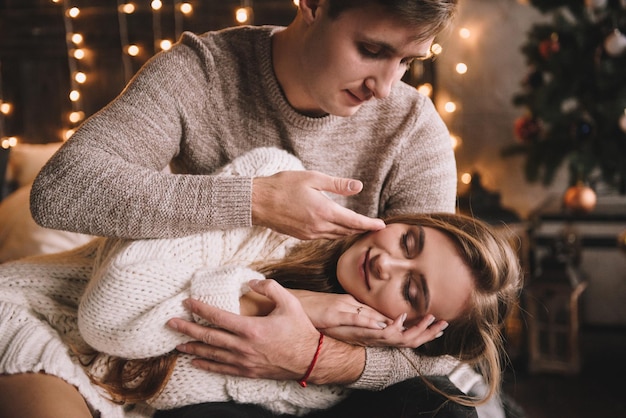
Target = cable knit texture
(135,287)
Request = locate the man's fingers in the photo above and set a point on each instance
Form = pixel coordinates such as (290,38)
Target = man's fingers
(346,187)
(353,222)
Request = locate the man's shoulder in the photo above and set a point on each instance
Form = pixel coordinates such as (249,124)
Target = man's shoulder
(405,95)
(238,35)
(404,103)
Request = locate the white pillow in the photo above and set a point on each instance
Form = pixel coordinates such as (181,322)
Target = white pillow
(20,236)
(25,161)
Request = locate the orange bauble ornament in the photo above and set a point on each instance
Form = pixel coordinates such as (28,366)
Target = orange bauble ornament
(580,199)
(621,241)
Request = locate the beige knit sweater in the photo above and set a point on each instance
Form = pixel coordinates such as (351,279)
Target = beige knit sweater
(210,99)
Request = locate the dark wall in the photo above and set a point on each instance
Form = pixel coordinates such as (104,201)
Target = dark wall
(34,63)
(34,69)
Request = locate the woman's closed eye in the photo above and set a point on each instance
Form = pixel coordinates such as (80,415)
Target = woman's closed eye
(410,292)
(412,242)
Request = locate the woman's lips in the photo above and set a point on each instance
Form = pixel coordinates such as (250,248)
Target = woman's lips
(365,269)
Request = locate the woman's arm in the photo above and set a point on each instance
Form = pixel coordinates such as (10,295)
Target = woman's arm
(137,286)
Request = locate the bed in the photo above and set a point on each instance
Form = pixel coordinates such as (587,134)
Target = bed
(20,236)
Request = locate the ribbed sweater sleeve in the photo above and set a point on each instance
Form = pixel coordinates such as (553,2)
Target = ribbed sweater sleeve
(387,366)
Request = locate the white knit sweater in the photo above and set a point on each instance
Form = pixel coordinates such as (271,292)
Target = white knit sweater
(135,287)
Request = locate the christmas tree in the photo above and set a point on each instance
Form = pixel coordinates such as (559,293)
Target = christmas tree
(574,94)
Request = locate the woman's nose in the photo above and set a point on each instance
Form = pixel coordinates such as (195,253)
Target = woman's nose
(385,266)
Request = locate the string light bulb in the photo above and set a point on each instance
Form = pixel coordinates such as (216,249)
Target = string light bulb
(243,15)
(77,38)
(461,68)
(186,8)
(74,95)
(76,116)
(450,107)
(132,50)
(73,12)
(80,77)
(128,8)
(466,178)
(6,108)
(78,53)
(426,89)
(67,134)
(9,142)
(165,44)
(156,4)
(456,141)
(465,33)
(436,49)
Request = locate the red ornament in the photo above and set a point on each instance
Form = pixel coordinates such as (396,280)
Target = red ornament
(549,47)
(580,199)
(527,129)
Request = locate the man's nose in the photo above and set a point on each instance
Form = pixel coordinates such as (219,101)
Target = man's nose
(381,82)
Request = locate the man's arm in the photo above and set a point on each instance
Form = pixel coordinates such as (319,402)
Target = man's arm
(278,346)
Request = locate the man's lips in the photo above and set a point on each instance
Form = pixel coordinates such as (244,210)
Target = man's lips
(358,98)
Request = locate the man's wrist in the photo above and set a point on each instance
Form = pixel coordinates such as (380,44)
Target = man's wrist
(339,363)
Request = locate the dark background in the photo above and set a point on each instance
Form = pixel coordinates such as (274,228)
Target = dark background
(34,59)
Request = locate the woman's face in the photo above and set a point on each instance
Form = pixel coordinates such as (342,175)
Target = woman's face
(407,269)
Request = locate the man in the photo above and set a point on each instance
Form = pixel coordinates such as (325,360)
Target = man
(326,88)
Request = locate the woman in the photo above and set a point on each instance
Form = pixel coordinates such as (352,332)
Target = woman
(442,265)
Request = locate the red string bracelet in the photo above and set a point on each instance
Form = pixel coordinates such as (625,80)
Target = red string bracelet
(302,381)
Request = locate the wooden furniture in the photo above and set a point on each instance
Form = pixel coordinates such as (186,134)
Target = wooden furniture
(553,327)
(576,278)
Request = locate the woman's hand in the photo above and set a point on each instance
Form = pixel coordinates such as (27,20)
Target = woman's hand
(344,318)
(331,310)
(394,335)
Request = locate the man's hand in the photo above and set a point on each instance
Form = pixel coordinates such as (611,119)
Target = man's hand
(293,203)
(278,346)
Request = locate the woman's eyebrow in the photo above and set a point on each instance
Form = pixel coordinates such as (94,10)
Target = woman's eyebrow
(425,292)
(420,239)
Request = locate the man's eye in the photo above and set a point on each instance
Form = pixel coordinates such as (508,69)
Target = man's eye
(370,51)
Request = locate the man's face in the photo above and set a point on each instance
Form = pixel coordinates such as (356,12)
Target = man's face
(353,58)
